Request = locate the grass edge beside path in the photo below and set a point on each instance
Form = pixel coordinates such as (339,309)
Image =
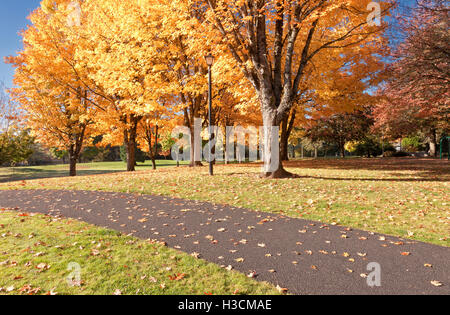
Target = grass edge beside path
(39,253)
(406,198)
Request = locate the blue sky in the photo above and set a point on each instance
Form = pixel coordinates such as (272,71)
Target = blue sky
(13,18)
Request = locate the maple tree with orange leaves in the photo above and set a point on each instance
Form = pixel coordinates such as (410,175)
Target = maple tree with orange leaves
(127,66)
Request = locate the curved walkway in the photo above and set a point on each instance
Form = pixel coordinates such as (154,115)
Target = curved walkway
(303,256)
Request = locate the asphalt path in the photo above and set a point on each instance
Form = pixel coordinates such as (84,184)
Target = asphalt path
(303,256)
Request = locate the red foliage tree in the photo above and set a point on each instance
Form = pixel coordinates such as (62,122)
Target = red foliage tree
(416,96)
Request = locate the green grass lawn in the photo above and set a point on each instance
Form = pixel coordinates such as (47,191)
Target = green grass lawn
(8,174)
(40,255)
(402,197)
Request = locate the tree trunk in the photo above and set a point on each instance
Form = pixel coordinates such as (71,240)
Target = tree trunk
(284,140)
(193,162)
(342,149)
(273,167)
(74,151)
(433,144)
(131,155)
(130,143)
(73,165)
(154,156)
(286,131)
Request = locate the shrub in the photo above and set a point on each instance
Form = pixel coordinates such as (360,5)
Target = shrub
(413,144)
(368,147)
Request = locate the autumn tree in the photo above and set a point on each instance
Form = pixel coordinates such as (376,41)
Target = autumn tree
(415,97)
(154,127)
(340,85)
(340,129)
(137,54)
(273,42)
(56,103)
(9,110)
(16,145)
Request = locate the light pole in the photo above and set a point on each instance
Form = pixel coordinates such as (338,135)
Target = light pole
(209,61)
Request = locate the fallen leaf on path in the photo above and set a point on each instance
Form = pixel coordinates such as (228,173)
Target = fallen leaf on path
(282,290)
(436,283)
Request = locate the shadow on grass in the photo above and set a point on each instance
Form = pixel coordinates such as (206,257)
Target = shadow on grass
(31,173)
(396,169)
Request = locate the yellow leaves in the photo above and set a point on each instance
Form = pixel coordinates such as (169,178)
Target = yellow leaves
(145,58)
(159,67)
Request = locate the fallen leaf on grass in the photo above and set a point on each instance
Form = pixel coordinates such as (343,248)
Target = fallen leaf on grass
(28,289)
(42,267)
(177,277)
(195,255)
